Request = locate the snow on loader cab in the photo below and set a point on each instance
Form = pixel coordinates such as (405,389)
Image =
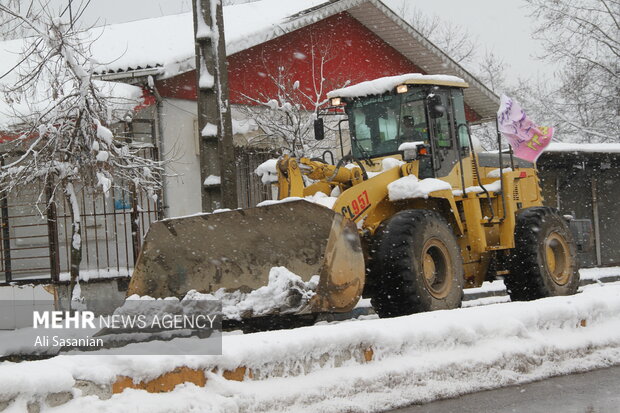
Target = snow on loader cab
(416,216)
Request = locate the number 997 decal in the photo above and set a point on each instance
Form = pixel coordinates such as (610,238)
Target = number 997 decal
(357,207)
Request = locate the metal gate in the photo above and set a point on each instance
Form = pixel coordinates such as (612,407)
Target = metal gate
(250,189)
(26,253)
(35,241)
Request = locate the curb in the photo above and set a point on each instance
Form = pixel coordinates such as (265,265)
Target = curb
(352,350)
(166,382)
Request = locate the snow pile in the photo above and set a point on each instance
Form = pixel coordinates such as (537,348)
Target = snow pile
(386,84)
(279,201)
(495,186)
(319,198)
(487,287)
(495,173)
(209,130)
(285,293)
(389,163)
(583,147)
(415,359)
(492,299)
(268,171)
(386,165)
(97,274)
(212,180)
(410,186)
(322,199)
(410,145)
(150,308)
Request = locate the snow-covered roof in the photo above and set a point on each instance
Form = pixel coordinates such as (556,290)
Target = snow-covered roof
(386,84)
(168,43)
(583,147)
(123,97)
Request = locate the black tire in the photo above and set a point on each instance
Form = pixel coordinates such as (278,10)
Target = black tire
(406,247)
(544,260)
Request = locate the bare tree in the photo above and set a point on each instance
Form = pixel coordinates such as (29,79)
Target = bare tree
(583,36)
(13,27)
(59,117)
(454,40)
(458,43)
(286,117)
(491,71)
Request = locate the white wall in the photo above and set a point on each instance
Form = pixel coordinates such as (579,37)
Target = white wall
(182,193)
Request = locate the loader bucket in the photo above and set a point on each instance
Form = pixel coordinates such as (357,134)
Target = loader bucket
(236,250)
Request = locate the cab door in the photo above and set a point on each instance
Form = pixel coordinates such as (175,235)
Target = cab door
(441,129)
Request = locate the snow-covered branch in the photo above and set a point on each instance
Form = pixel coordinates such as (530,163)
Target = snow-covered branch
(285,116)
(60,129)
(583,37)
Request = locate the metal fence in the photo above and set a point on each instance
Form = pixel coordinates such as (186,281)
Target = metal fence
(35,241)
(584,185)
(26,252)
(250,189)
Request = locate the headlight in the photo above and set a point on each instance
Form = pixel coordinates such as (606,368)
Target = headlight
(402,89)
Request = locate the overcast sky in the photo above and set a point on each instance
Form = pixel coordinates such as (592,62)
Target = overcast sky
(499,25)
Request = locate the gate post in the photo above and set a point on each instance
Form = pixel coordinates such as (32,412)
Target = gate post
(135,227)
(52,234)
(6,241)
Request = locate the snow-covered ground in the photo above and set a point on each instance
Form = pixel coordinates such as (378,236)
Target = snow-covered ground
(321,368)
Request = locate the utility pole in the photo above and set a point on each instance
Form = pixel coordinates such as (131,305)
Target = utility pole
(218,169)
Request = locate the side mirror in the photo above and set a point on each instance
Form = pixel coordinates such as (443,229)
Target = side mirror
(319,129)
(436,108)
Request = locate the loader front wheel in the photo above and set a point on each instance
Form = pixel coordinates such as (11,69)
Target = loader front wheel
(415,265)
(543,262)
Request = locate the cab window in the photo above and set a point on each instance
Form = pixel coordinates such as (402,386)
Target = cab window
(441,122)
(459,117)
(413,126)
(376,125)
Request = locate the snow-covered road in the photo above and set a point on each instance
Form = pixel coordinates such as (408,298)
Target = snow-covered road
(322,368)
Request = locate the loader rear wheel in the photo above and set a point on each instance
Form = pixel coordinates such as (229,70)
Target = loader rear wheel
(415,265)
(543,262)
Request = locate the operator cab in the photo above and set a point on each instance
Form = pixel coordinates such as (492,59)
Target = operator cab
(412,108)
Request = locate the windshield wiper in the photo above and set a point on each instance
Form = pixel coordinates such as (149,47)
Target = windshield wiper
(365,155)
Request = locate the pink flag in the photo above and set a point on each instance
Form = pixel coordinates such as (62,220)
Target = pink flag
(526,139)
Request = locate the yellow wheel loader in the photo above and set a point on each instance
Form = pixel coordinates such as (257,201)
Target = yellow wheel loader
(409,218)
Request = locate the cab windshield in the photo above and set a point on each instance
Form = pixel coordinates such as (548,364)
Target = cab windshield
(380,124)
